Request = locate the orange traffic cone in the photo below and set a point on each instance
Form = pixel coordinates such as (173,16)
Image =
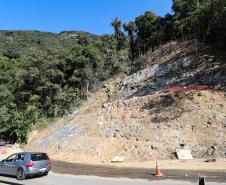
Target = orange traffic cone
(4,150)
(158,171)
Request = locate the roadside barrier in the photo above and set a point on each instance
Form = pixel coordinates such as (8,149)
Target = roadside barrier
(202,180)
(158,171)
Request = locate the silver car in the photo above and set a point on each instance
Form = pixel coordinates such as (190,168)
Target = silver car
(25,164)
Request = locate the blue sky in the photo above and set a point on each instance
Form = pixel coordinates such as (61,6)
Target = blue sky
(85,15)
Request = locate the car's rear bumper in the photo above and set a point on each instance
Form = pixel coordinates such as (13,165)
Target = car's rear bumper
(37,171)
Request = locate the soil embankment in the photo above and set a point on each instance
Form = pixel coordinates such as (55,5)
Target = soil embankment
(175,101)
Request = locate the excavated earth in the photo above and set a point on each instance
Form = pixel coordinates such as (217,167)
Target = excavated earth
(175,100)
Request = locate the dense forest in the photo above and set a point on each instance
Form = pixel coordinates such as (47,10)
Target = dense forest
(45,75)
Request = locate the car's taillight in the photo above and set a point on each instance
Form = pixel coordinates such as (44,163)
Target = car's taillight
(30,164)
(49,161)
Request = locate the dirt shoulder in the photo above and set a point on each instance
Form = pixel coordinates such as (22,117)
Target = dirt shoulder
(191,165)
(183,170)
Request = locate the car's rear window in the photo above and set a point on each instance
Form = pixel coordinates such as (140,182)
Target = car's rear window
(39,157)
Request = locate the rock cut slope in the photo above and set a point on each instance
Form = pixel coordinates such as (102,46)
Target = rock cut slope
(175,100)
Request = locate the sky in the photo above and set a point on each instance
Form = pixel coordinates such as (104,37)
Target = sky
(92,16)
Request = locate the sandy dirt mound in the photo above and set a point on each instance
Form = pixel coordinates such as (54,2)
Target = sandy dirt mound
(144,128)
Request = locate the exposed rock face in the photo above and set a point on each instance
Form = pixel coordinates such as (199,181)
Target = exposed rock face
(175,101)
(184,71)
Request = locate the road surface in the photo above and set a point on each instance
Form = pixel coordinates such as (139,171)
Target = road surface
(134,173)
(59,179)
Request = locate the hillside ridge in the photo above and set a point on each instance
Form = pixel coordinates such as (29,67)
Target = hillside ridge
(172,102)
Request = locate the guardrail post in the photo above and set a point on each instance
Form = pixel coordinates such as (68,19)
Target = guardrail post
(202,181)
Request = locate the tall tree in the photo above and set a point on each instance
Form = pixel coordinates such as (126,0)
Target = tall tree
(131,29)
(118,34)
(149,31)
(204,19)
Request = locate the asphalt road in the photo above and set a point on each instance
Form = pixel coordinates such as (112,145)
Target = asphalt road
(81,174)
(134,173)
(59,179)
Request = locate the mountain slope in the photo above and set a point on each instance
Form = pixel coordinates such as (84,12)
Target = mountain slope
(19,41)
(176,100)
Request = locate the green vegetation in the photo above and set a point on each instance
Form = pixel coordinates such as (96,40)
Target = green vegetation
(45,75)
(201,19)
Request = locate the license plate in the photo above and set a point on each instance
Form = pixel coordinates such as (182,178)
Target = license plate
(42,169)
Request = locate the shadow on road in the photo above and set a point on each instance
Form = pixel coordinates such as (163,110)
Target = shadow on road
(8,182)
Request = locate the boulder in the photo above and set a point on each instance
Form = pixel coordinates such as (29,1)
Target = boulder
(184,154)
(118,159)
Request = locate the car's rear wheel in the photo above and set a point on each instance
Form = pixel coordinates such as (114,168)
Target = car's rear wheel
(20,175)
(45,174)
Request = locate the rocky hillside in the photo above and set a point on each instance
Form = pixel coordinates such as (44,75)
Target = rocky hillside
(176,100)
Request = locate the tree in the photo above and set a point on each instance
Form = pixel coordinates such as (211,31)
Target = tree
(182,16)
(117,24)
(131,29)
(168,28)
(118,34)
(204,19)
(145,33)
